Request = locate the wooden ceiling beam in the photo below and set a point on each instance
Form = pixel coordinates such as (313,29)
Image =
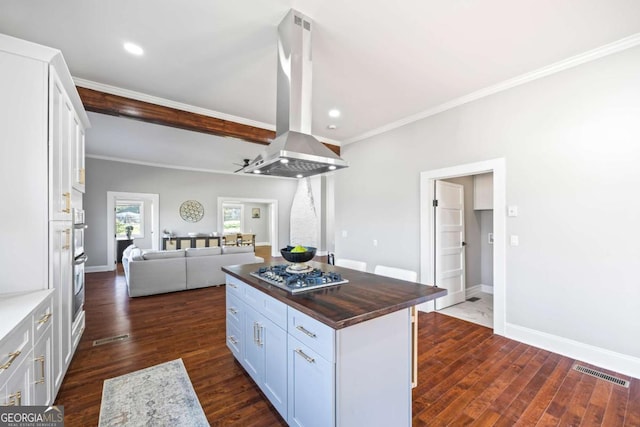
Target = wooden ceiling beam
(115,105)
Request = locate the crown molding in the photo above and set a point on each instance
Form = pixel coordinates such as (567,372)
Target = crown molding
(573,61)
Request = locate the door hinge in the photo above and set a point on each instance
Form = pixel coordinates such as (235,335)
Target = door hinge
(435,203)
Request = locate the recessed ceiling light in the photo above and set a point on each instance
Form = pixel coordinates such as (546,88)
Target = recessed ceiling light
(334,113)
(332,168)
(332,127)
(133,49)
(299,176)
(257,171)
(285,161)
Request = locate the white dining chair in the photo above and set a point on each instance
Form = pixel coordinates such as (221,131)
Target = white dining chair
(352,264)
(396,273)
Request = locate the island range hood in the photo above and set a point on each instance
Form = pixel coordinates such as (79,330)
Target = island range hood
(294,153)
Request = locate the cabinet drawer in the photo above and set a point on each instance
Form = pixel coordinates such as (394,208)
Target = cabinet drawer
(318,336)
(235,286)
(234,340)
(269,307)
(234,310)
(42,318)
(13,349)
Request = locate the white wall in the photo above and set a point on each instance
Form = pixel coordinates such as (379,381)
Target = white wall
(572,151)
(174,187)
(257,226)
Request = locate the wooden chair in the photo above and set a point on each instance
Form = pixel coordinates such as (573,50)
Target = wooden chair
(352,264)
(248,239)
(230,239)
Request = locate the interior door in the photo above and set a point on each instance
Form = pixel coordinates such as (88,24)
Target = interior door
(449,242)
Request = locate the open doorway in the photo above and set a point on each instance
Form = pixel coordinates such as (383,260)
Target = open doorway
(131,218)
(464,247)
(429,233)
(251,215)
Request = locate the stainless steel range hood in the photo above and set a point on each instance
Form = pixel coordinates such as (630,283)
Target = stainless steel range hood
(294,153)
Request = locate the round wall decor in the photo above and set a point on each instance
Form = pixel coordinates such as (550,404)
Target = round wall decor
(191,211)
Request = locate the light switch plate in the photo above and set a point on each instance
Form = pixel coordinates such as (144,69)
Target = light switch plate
(514,240)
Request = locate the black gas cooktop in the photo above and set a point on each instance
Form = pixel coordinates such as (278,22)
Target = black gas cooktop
(296,278)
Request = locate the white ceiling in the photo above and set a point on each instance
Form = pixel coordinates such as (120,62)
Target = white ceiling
(379,62)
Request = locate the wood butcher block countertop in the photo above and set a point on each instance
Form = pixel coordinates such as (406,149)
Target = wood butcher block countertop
(365,297)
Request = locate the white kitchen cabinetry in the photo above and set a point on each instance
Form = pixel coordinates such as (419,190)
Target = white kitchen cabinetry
(26,348)
(483,191)
(357,375)
(259,344)
(311,387)
(42,125)
(61,139)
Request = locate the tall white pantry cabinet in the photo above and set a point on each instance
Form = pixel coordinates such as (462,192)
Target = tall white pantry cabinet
(42,128)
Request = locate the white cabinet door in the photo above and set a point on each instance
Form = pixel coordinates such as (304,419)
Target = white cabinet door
(42,373)
(274,384)
(78,168)
(61,280)
(264,357)
(61,125)
(18,387)
(311,387)
(253,356)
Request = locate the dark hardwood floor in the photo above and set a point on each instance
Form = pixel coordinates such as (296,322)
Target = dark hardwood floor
(467,375)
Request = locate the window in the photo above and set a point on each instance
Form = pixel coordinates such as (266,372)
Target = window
(232,218)
(129,213)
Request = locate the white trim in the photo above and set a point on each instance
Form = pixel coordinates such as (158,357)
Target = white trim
(498,167)
(607,359)
(472,291)
(573,61)
(97,269)
(155,221)
(273,216)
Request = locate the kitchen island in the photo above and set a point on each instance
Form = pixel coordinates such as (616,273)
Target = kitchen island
(339,355)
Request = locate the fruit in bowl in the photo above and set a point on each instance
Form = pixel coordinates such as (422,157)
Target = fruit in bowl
(298,254)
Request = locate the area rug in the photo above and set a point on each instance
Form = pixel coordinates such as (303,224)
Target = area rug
(161,395)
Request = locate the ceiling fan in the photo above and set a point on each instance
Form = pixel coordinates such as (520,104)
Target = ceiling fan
(246,163)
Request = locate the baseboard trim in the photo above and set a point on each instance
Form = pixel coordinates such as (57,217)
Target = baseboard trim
(607,359)
(475,290)
(97,269)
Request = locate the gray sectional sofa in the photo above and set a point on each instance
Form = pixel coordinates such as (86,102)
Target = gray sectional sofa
(151,272)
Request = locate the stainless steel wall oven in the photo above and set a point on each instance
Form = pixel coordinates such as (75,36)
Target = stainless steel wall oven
(79,259)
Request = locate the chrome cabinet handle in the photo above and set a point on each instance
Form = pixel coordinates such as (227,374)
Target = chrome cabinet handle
(232,310)
(304,356)
(305,331)
(233,285)
(260,328)
(255,332)
(232,340)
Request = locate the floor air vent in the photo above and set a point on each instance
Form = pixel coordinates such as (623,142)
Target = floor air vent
(110,339)
(473,299)
(601,375)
